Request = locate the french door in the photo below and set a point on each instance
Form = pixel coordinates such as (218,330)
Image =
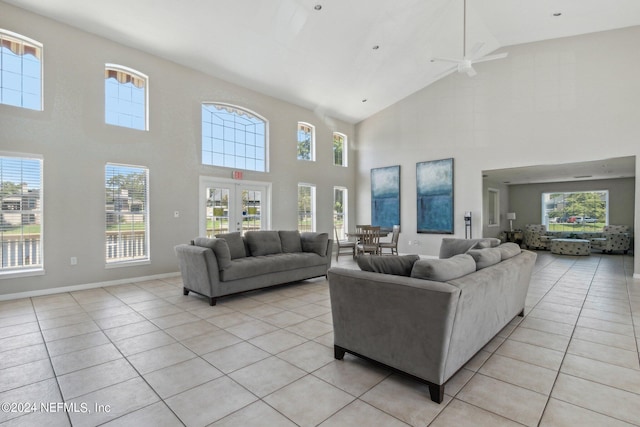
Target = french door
(232,205)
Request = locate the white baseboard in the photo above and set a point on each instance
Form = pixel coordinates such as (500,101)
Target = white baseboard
(51,291)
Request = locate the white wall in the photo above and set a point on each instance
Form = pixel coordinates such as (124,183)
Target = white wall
(75,143)
(559,101)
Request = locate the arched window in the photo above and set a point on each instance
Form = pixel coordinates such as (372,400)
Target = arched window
(306,142)
(20,71)
(125,97)
(233,137)
(339,149)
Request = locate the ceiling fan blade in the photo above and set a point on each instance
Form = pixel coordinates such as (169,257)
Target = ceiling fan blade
(471,72)
(445,73)
(452,60)
(490,57)
(475,49)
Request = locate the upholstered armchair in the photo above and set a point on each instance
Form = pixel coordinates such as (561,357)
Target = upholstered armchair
(535,236)
(614,238)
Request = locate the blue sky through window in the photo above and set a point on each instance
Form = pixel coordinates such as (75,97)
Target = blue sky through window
(233,138)
(20,74)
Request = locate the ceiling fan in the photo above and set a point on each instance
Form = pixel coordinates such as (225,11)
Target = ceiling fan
(465,65)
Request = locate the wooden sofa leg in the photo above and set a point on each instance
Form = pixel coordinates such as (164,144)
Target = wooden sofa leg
(521,314)
(185,291)
(212,301)
(437,392)
(338,352)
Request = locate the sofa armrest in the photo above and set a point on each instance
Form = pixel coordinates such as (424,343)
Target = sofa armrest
(403,322)
(199,269)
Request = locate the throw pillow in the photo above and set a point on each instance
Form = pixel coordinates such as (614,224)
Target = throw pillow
(442,270)
(235,243)
(509,250)
(396,265)
(314,242)
(263,242)
(451,246)
(485,257)
(219,247)
(290,241)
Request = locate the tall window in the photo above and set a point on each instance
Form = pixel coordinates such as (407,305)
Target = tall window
(576,211)
(340,211)
(20,214)
(127,213)
(125,97)
(20,71)
(306,142)
(306,207)
(339,149)
(233,137)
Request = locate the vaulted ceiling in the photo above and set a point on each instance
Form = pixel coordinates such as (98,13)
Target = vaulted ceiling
(346,59)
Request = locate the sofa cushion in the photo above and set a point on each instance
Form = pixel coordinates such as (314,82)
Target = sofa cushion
(219,247)
(290,241)
(396,265)
(509,250)
(263,242)
(243,268)
(485,257)
(451,246)
(442,270)
(314,242)
(235,243)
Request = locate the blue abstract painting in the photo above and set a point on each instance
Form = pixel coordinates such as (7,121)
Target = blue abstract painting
(434,181)
(385,197)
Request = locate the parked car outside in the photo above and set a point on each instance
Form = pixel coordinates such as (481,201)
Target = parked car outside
(588,219)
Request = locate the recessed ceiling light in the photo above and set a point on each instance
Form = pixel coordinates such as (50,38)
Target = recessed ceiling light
(317,7)
(557,14)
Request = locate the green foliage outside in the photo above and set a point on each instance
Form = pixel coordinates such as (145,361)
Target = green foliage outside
(587,204)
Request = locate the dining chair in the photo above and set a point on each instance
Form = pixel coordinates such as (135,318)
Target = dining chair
(344,244)
(370,240)
(393,244)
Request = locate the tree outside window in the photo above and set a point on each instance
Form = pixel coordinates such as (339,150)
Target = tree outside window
(305,142)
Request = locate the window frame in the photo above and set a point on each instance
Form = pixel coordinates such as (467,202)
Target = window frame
(342,233)
(39,47)
(130,260)
(135,74)
(493,207)
(344,163)
(545,210)
(312,141)
(311,207)
(30,269)
(239,111)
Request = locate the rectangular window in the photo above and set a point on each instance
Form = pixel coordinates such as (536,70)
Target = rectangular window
(306,142)
(20,71)
(340,211)
(576,211)
(125,97)
(233,137)
(339,149)
(20,214)
(306,207)
(127,213)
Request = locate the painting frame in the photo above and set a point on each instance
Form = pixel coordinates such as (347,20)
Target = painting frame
(434,196)
(385,197)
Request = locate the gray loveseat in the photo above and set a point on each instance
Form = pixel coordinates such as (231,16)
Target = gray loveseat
(232,263)
(433,315)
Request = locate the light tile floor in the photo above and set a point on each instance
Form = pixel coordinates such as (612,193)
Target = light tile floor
(142,354)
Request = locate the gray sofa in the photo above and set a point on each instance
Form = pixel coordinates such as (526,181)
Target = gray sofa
(433,315)
(232,263)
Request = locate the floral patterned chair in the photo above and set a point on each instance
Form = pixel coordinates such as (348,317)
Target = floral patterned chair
(614,238)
